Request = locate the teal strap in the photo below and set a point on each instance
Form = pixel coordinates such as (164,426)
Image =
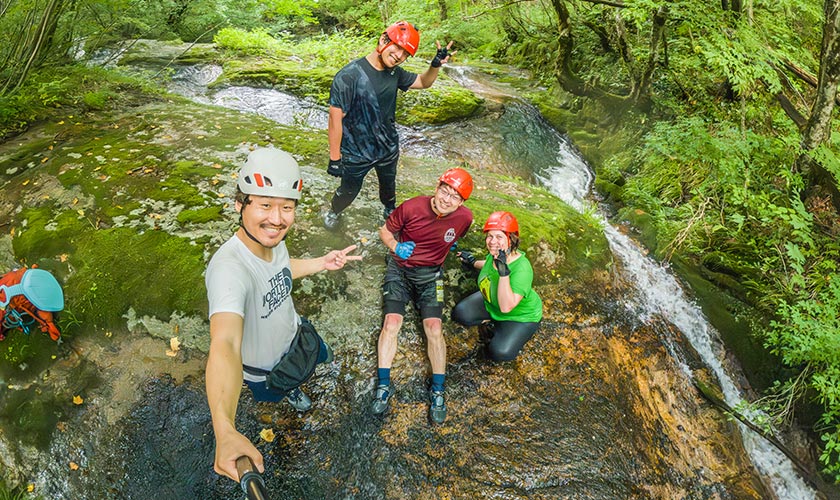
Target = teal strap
(9,292)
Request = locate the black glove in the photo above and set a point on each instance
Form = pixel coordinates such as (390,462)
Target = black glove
(442,53)
(335,168)
(467,259)
(501,264)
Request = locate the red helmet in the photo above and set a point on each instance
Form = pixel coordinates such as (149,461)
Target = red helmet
(502,221)
(460,180)
(405,35)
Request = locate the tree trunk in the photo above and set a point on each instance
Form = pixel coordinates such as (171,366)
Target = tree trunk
(41,42)
(818,129)
(563,68)
(657,39)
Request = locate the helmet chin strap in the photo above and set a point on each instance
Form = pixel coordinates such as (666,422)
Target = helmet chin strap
(242,225)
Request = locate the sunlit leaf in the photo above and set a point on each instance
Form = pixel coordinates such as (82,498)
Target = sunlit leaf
(267,435)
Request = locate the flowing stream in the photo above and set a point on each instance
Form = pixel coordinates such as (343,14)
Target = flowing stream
(517,140)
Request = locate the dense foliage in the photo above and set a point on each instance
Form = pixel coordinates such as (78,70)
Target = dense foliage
(721,112)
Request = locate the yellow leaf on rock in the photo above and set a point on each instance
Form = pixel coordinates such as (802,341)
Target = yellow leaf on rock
(75,200)
(80,212)
(267,435)
(77,400)
(30,487)
(74,466)
(174,347)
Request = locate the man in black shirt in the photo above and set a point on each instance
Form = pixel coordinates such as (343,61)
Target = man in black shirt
(363,100)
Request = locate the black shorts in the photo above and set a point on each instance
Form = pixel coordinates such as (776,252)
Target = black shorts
(421,285)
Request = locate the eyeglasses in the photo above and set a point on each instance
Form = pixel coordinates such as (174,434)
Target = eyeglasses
(448,193)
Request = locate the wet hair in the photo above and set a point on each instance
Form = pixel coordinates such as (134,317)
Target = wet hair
(514,242)
(241,197)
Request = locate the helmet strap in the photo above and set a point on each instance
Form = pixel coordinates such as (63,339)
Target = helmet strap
(242,209)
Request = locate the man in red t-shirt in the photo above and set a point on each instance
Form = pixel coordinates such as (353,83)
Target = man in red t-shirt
(419,234)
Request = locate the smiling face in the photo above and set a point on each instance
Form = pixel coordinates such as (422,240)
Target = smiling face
(267,219)
(446,199)
(392,55)
(495,241)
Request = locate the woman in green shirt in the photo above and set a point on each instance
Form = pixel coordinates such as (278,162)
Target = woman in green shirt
(505,299)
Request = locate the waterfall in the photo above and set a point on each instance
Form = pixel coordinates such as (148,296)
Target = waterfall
(658,293)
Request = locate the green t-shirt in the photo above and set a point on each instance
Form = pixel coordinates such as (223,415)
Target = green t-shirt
(529,309)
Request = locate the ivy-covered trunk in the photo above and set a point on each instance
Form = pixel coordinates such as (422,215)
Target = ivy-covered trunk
(818,129)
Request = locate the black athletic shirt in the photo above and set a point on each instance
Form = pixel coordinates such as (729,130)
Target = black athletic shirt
(369,99)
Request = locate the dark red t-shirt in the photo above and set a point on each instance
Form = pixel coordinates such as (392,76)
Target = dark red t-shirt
(414,220)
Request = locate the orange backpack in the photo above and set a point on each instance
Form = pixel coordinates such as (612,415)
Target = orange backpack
(20,291)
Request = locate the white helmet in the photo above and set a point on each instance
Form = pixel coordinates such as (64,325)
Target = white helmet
(271,172)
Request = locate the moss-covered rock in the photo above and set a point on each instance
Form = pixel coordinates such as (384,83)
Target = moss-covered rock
(288,75)
(441,103)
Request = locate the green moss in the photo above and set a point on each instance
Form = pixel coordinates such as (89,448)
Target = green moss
(97,100)
(31,415)
(24,355)
(288,75)
(201,215)
(155,273)
(48,232)
(438,104)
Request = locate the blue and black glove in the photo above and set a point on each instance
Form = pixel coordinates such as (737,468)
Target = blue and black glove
(501,264)
(442,54)
(467,259)
(335,168)
(405,249)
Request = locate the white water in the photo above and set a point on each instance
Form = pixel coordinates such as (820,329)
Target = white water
(658,293)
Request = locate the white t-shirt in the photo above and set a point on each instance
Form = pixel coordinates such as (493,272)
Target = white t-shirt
(261,292)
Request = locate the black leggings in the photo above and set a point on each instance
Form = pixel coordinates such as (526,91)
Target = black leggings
(506,337)
(354,176)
